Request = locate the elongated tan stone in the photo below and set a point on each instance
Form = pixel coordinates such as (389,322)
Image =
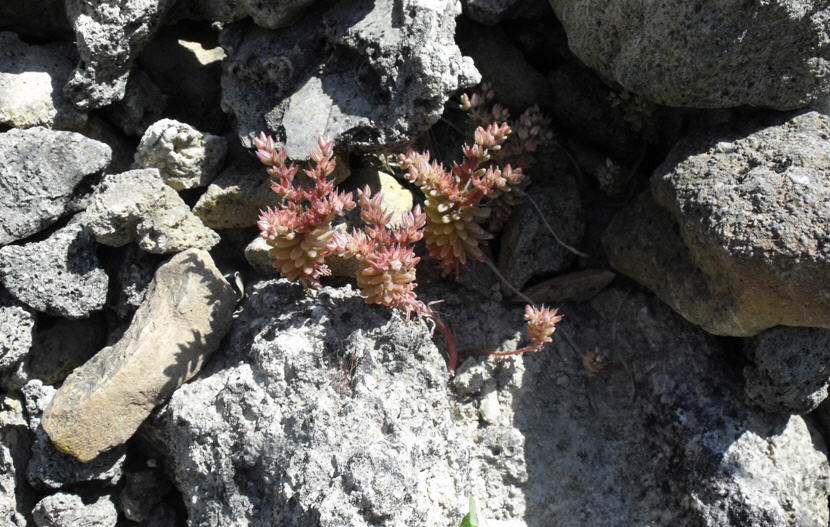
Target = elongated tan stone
(187,311)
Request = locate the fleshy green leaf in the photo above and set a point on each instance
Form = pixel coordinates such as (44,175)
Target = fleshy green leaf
(470,520)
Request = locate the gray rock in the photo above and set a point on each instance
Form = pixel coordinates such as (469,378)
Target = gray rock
(185,157)
(16,325)
(60,276)
(271,15)
(186,312)
(68,510)
(753,209)
(361,73)
(492,12)
(142,105)
(133,274)
(39,168)
(31,78)
(142,493)
(790,369)
(306,419)
(52,469)
(138,206)
(235,198)
(109,34)
(527,247)
(59,346)
(712,55)
(15,447)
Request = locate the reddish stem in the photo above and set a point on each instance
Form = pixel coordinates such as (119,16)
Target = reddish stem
(452,353)
(481,351)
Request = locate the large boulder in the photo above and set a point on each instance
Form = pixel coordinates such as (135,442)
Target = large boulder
(752,211)
(306,418)
(39,169)
(705,54)
(359,72)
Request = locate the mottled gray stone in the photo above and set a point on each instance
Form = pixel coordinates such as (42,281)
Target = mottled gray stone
(133,274)
(235,198)
(361,73)
(185,157)
(142,105)
(185,314)
(527,246)
(705,55)
(31,78)
(307,418)
(109,34)
(15,448)
(138,206)
(60,276)
(68,510)
(753,209)
(16,325)
(52,469)
(790,369)
(39,168)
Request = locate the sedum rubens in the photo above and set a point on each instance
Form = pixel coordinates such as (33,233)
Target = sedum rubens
(299,230)
(455,199)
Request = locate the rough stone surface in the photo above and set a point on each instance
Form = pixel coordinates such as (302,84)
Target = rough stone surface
(109,35)
(492,12)
(58,347)
(31,78)
(579,286)
(712,55)
(185,157)
(753,209)
(235,198)
(15,449)
(138,206)
(16,325)
(60,276)
(39,168)
(143,104)
(271,15)
(527,246)
(142,493)
(790,369)
(186,312)
(51,469)
(68,510)
(359,72)
(134,270)
(307,420)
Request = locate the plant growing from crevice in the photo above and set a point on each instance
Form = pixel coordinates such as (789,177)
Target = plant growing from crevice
(300,232)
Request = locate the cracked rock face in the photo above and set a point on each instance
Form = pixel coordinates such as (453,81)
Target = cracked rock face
(39,169)
(752,211)
(359,72)
(774,54)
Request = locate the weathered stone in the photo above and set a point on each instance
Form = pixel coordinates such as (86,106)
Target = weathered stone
(39,168)
(185,314)
(256,254)
(790,369)
(527,246)
(15,448)
(68,510)
(59,346)
(185,157)
(309,420)
(31,78)
(143,104)
(138,206)
(60,276)
(753,209)
(361,73)
(187,67)
(109,34)
(579,286)
(271,15)
(713,55)
(235,198)
(142,492)
(51,469)
(16,325)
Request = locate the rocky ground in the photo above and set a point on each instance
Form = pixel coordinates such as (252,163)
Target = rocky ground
(157,372)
